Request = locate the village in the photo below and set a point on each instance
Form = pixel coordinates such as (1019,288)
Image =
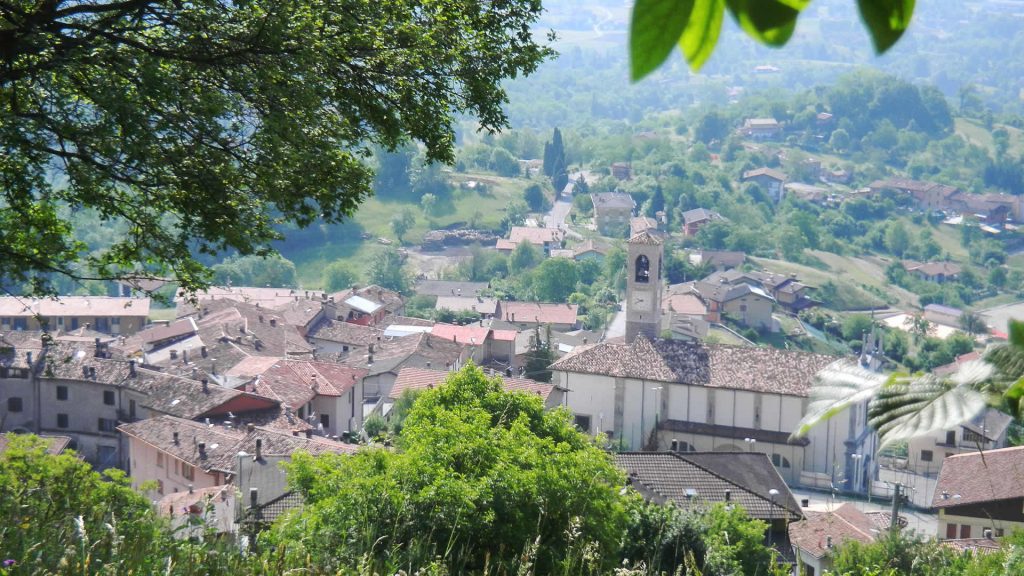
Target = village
(204,405)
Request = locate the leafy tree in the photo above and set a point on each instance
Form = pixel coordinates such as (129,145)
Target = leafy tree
(555,279)
(515,215)
(897,239)
(392,177)
(534,197)
(711,126)
(540,355)
(272,270)
(855,325)
(387,270)
(402,223)
(479,477)
(338,276)
(839,140)
(428,202)
(200,126)
(504,163)
(973,323)
(524,256)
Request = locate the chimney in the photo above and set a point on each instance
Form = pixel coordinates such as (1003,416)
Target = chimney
(204,351)
(513,316)
(28,358)
(805,502)
(250,427)
(261,318)
(313,384)
(202,450)
(206,386)
(369,358)
(259,448)
(273,322)
(254,497)
(175,438)
(174,354)
(371,348)
(675,445)
(131,368)
(99,349)
(184,356)
(295,432)
(189,488)
(309,432)
(428,363)
(242,328)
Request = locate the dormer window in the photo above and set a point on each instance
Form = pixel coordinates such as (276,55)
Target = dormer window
(643,269)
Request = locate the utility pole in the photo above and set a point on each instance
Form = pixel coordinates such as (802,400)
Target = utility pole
(897,501)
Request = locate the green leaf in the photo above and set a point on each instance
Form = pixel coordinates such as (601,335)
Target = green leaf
(1017,333)
(770,22)
(887,20)
(912,408)
(837,387)
(701,33)
(1013,397)
(654,29)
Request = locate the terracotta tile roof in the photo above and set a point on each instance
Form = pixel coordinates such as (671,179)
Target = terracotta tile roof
(692,478)
(221,444)
(408,321)
(190,502)
(449,288)
(296,382)
(590,246)
(690,304)
(467,304)
(933,268)
(503,244)
(300,312)
(410,378)
(715,365)
(645,238)
(391,355)
(346,333)
(844,524)
(504,335)
(979,477)
(271,298)
(390,300)
(16,306)
(468,335)
(187,398)
(699,215)
(530,312)
(975,545)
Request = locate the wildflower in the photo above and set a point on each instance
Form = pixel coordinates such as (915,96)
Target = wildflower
(9,562)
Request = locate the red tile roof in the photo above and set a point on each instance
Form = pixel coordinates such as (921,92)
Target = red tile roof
(844,524)
(529,312)
(977,477)
(472,334)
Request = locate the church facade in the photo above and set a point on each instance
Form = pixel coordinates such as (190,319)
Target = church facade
(649,393)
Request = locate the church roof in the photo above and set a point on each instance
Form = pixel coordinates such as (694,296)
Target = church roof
(713,365)
(645,238)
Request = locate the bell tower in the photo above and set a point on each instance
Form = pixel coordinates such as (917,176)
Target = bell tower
(643,286)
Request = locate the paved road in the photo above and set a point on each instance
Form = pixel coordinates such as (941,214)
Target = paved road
(618,324)
(555,218)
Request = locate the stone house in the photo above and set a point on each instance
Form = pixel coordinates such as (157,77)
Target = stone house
(612,211)
(768,179)
(117,316)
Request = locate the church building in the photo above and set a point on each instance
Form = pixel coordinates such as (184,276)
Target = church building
(647,393)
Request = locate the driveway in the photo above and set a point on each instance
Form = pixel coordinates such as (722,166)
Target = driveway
(617,327)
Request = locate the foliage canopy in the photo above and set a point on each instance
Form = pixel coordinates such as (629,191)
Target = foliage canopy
(201,127)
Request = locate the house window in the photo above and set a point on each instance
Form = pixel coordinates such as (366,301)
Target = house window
(20,324)
(325,421)
(643,269)
(582,422)
(103,324)
(965,530)
(159,459)
(188,472)
(780,461)
(14,404)
(62,420)
(160,487)
(62,392)
(950,531)
(107,456)
(116,320)
(743,307)
(107,425)
(951,437)
(108,397)
(1000,532)
(177,467)
(926,455)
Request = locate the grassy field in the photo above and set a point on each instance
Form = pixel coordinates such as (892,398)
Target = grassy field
(975,132)
(853,277)
(468,208)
